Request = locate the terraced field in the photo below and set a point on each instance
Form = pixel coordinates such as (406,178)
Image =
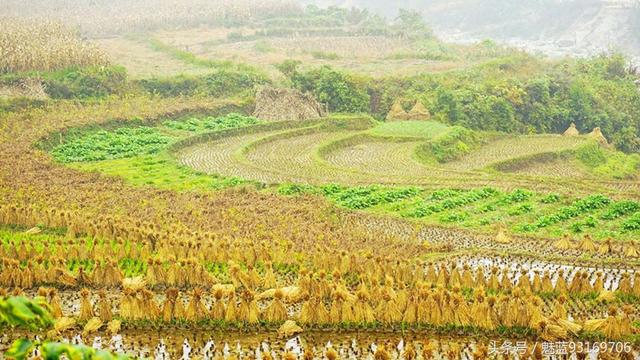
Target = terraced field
(385,155)
(513,148)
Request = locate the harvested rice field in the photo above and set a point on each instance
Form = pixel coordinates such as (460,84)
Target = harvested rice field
(266,180)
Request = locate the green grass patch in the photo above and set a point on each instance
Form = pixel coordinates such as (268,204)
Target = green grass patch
(158,170)
(421,129)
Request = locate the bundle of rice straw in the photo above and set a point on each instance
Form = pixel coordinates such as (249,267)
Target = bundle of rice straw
(564,243)
(502,237)
(606,247)
(113,327)
(289,329)
(571,130)
(86,308)
(276,311)
(63,323)
(134,283)
(289,294)
(92,326)
(631,250)
(587,244)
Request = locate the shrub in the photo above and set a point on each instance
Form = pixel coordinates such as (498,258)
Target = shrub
(85,82)
(454,144)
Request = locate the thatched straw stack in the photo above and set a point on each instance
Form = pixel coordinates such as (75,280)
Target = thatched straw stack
(630,250)
(419,112)
(596,134)
(286,104)
(503,237)
(397,113)
(564,243)
(587,244)
(571,131)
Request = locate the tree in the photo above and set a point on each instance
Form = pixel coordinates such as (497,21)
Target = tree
(410,24)
(288,67)
(340,91)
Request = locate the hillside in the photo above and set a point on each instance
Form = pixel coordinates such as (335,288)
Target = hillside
(556,27)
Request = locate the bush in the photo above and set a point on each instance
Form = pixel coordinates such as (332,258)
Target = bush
(222,83)
(86,82)
(454,144)
(340,91)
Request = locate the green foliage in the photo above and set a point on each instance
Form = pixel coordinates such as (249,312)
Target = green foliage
(340,91)
(222,83)
(367,196)
(550,199)
(620,208)
(632,223)
(103,145)
(582,206)
(517,93)
(609,163)
(448,201)
(454,144)
(210,123)
(88,82)
(289,67)
(411,25)
(356,198)
(34,315)
(24,313)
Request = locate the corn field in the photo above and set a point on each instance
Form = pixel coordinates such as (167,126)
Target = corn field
(44,46)
(105,18)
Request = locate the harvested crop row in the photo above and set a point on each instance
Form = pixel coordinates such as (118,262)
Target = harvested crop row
(389,158)
(220,157)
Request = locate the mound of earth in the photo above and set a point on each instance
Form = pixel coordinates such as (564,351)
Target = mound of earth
(286,104)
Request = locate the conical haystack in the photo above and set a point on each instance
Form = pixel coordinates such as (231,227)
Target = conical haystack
(596,134)
(571,131)
(419,112)
(631,251)
(503,237)
(397,113)
(587,244)
(564,243)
